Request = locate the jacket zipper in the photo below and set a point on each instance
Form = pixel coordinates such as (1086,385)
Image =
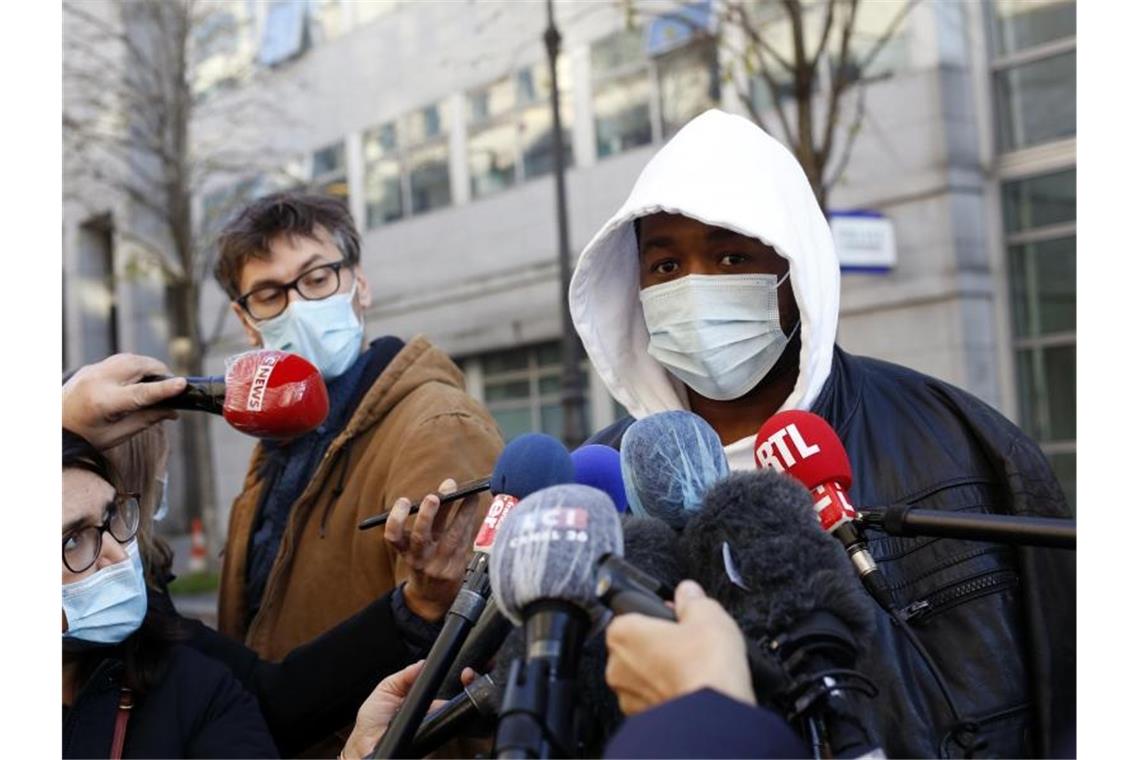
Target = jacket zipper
(942,600)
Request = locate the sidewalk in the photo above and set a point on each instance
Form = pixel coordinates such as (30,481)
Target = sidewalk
(202,606)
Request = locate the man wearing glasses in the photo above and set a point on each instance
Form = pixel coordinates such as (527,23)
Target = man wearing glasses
(399,422)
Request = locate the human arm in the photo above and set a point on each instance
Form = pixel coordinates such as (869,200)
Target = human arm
(318,687)
(431,549)
(107,403)
(652,661)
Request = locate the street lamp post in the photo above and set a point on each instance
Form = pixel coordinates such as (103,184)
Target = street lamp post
(573,396)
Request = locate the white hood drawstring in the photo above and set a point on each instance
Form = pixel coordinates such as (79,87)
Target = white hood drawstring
(724,171)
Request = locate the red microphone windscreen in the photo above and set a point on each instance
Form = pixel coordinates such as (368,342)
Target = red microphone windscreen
(274,394)
(803,445)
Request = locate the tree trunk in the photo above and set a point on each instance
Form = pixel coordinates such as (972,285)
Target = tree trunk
(198,492)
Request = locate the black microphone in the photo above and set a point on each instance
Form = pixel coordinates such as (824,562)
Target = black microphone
(757,548)
(528,463)
(1020,530)
(477,705)
(543,579)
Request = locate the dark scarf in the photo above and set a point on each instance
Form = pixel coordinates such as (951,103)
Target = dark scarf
(288,465)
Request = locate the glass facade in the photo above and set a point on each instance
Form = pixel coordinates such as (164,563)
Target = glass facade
(406,166)
(1035,71)
(1041,244)
(522,389)
(511,128)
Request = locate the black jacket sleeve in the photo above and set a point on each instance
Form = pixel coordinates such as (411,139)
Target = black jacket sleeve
(319,686)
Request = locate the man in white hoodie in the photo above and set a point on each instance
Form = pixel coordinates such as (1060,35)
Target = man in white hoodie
(715,288)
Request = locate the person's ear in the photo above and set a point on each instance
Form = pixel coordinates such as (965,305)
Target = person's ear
(363,292)
(250,331)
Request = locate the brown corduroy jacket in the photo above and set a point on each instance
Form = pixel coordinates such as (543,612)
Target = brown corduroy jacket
(413,428)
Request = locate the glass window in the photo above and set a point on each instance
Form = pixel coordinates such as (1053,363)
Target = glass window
(621,114)
(617,51)
(428,178)
(1039,213)
(1036,102)
(491,155)
(330,159)
(284,33)
(1040,201)
(1043,277)
(1047,380)
(406,167)
(688,85)
(1023,24)
(621,93)
(522,389)
(512,135)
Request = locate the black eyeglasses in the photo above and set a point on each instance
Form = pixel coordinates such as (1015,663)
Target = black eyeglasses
(81,547)
(314,284)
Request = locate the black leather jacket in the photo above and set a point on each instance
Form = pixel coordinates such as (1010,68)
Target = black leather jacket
(999,621)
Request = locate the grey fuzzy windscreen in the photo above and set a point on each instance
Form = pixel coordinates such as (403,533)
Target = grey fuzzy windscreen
(668,461)
(653,547)
(549,548)
(788,564)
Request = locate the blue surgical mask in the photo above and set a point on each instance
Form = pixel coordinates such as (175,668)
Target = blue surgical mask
(326,332)
(107,607)
(718,334)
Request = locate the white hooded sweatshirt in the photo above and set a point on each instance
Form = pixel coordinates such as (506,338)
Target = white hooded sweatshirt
(724,171)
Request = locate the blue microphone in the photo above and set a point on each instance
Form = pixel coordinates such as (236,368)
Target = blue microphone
(668,461)
(599,466)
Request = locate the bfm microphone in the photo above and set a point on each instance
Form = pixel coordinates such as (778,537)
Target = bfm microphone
(594,465)
(265,393)
(668,461)
(543,579)
(600,466)
(757,548)
(527,464)
(803,445)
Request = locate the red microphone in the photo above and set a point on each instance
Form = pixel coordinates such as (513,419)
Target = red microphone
(264,393)
(804,446)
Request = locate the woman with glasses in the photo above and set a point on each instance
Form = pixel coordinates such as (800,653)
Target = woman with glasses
(129,689)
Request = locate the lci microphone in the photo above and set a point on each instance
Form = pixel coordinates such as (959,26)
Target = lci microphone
(804,446)
(528,464)
(264,393)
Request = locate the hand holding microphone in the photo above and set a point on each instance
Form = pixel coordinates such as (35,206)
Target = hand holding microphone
(264,393)
(108,402)
(652,661)
(376,712)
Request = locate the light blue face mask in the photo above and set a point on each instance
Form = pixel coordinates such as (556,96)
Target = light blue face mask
(110,605)
(326,332)
(718,334)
